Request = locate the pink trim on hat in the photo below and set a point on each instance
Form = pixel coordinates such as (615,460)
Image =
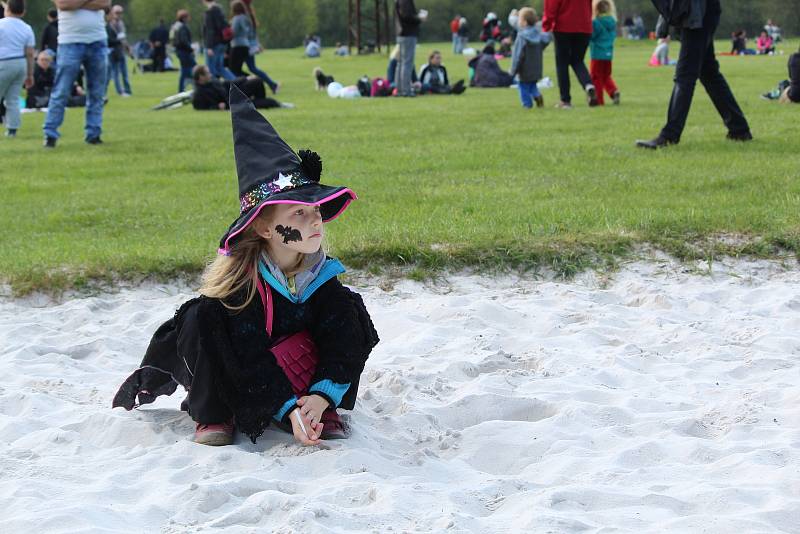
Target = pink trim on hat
(225,251)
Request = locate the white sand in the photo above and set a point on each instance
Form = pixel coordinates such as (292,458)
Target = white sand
(663,401)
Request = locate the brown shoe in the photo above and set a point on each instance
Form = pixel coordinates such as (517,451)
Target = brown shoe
(215,435)
(333,427)
(539,101)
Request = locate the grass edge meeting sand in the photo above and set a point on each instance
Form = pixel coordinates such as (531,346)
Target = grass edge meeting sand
(444,182)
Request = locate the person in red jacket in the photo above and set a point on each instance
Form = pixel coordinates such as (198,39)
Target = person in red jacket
(571,24)
(454,31)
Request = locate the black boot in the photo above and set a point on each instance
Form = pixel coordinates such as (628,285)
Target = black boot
(658,142)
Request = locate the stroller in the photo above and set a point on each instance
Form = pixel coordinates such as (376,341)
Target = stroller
(142,52)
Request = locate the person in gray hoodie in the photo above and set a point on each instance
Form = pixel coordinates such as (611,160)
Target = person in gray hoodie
(526,59)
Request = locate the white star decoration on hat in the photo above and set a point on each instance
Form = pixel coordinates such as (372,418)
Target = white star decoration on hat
(283,181)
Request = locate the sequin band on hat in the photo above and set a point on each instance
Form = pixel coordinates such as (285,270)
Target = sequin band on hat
(284,182)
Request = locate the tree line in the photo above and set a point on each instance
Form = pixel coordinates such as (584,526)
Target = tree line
(283,24)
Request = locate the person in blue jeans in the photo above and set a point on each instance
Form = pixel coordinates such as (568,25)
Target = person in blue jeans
(82,40)
(118,49)
(255,48)
(213,24)
(181,37)
(526,60)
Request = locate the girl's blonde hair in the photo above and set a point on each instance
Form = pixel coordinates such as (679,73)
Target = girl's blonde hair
(226,275)
(528,14)
(604,7)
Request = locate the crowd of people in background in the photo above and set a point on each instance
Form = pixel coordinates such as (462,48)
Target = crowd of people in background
(85,47)
(83,50)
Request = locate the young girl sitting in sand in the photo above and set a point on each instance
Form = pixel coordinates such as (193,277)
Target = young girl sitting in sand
(275,337)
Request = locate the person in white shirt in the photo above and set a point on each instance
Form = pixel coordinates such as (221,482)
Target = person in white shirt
(82,40)
(16,61)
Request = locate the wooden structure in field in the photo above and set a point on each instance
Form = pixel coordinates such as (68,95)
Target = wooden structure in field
(368,26)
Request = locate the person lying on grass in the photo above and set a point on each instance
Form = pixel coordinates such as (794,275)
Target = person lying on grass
(210,93)
(274,336)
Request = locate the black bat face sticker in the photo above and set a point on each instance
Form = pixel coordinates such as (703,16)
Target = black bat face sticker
(288,233)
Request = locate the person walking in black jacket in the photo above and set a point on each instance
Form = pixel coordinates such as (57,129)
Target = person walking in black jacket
(697,20)
(408,21)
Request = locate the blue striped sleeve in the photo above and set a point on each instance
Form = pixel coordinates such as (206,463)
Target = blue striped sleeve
(288,405)
(332,390)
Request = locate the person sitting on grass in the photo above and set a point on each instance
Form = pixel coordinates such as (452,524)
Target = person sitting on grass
(788,91)
(660,55)
(391,70)
(210,93)
(487,72)
(274,337)
(527,59)
(38,96)
(433,77)
(764,44)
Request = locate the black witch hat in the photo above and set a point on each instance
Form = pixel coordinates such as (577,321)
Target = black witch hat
(271,173)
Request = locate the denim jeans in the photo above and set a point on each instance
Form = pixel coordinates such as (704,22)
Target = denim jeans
(187,65)
(697,60)
(527,92)
(93,57)
(216,63)
(12,76)
(405,64)
(251,64)
(119,68)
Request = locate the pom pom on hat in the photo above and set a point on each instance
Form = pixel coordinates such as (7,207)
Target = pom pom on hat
(311,164)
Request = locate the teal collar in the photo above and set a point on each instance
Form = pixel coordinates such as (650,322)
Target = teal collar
(330,269)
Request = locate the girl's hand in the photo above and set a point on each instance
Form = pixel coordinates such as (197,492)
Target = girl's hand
(312,406)
(313,429)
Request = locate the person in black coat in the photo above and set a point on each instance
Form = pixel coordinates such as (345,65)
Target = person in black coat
(434,79)
(50,32)
(38,95)
(275,337)
(212,94)
(792,93)
(159,37)
(697,21)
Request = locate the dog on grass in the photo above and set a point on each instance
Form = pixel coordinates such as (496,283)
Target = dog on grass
(321,79)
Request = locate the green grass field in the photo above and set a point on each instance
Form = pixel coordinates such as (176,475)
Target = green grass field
(473,180)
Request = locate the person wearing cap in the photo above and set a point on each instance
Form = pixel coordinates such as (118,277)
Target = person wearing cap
(274,336)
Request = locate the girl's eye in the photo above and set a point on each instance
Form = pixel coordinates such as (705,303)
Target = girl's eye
(298,212)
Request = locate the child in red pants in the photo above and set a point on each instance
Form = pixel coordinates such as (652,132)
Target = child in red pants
(604,32)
